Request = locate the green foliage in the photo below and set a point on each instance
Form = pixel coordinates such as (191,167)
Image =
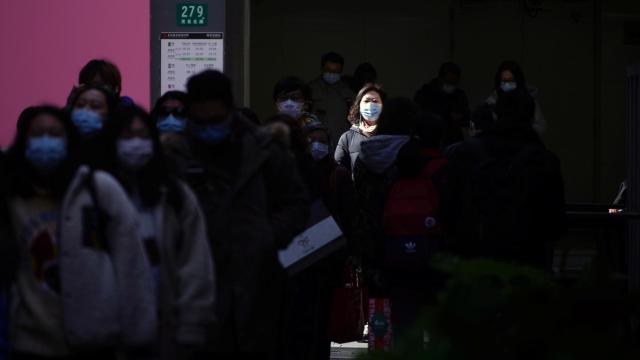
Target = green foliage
(508,311)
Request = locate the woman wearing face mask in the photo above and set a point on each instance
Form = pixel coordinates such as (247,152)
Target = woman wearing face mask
(170,117)
(173,231)
(363,116)
(332,181)
(292,96)
(310,291)
(510,78)
(90,107)
(82,286)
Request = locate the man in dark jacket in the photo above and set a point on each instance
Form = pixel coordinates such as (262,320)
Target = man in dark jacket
(443,97)
(510,203)
(254,203)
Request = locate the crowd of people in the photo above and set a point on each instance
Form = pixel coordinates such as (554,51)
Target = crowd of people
(129,234)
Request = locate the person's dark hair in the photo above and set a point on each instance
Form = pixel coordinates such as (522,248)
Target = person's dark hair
(515,108)
(332,57)
(354,113)
(289,84)
(516,70)
(365,71)
(112,100)
(154,176)
(106,70)
(308,129)
(22,177)
(210,85)
(398,117)
(429,130)
(169,95)
(449,68)
(482,118)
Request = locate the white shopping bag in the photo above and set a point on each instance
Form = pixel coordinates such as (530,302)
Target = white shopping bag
(322,237)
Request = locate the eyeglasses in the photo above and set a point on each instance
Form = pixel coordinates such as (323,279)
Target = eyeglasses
(177,112)
(293,97)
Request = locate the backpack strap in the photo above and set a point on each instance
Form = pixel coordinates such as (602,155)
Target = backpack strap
(101,217)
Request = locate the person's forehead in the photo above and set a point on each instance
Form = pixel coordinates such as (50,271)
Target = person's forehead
(330,65)
(46,120)
(207,107)
(296,92)
(371,94)
(318,133)
(93,94)
(207,104)
(137,123)
(452,75)
(172,103)
(507,73)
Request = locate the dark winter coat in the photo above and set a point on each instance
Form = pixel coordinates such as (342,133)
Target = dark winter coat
(254,204)
(524,221)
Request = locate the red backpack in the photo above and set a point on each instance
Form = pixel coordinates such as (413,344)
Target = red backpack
(411,219)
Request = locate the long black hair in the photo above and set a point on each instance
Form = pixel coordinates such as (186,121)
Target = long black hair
(92,149)
(518,76)
(21,175)
(154,176)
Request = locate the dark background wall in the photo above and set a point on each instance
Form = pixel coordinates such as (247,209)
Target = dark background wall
(576,58)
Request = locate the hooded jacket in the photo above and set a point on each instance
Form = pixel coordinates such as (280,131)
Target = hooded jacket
(374,172)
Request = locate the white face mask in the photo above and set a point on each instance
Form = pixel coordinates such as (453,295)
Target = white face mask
(291,108)
(508,86)
(319,150)
(134,153)
(370,111)
(448,89)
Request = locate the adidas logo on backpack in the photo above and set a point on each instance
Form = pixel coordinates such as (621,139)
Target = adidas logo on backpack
(410,247)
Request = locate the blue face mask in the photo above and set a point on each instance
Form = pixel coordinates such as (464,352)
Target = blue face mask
(86,121)
(370,111)
(211,134)
(508,86)
(171,124)
(331,78)
(45,152)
